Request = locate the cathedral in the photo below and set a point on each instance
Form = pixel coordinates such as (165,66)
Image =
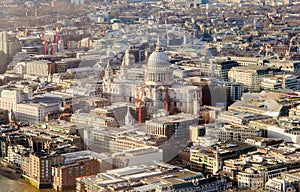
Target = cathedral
(155,88)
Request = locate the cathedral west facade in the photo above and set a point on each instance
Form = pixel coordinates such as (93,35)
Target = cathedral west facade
(157,84)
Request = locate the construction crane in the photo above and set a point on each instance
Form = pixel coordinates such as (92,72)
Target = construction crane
(68,38)
(167,91)
(56,29)
(43,35)
(44,41)
(139,101)
(51,49)
(167,73)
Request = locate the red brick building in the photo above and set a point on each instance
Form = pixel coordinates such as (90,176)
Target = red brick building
(64,176)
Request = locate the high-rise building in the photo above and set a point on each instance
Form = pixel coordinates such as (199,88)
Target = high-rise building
(3,51)
(4,42)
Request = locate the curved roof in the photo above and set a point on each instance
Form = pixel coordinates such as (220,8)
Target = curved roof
(158,58)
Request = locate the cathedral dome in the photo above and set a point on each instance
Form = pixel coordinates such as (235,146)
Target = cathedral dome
(158,58)
(158,71)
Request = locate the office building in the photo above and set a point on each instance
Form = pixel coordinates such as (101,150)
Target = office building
(39,68)
(156,176)
(4,116)
(137,156)
(176,126)
(279,82)
(110,139)
(250,179)
(209,160)
(196,131)
(278,184)
(239,117)
(237,133)
(218,68)
(251,76)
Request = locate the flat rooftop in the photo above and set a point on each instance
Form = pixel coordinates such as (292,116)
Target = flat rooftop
(174,118)
(139,151)
(175,178)
(223,148)
(294,173)
(243,115)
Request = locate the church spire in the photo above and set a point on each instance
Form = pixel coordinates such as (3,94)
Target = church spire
(108,69)
(108,74)
(129,120)
(108,66)
(126,58)
(123,69)
(158,44)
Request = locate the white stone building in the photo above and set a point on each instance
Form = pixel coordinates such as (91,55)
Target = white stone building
(15,154)
(155,88)
(250,179)
(22,106)
(137,156)
(277,184)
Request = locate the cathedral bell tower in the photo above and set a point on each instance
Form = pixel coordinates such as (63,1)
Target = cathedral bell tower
(128,59)
(108,78)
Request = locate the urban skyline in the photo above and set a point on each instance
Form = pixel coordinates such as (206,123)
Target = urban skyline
(144,96)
